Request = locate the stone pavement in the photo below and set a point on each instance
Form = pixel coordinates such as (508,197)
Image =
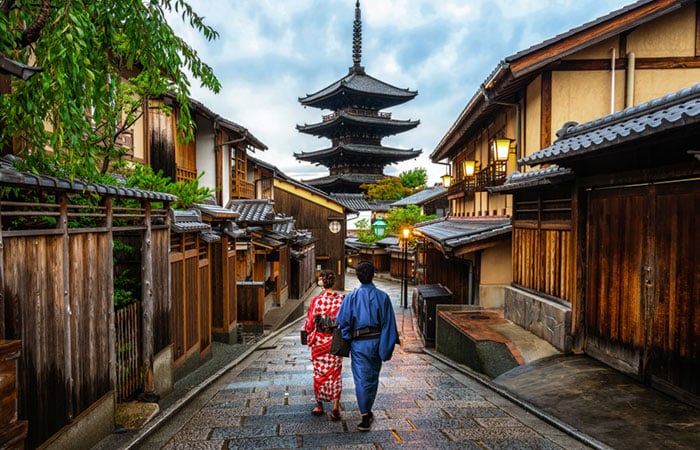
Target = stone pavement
(265,401)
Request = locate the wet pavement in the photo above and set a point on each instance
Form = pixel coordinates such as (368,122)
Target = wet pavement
(265,401)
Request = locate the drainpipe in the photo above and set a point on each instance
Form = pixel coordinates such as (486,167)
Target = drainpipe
(631,67)
(612,81)
(470,282)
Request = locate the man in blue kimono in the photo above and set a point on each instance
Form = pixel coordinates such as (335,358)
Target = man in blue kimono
(366,317)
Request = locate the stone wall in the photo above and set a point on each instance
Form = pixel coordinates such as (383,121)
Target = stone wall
(543,317)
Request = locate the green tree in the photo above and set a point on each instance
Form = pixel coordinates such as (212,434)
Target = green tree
(101,60)
(388,188)
(414,178)
(398,218)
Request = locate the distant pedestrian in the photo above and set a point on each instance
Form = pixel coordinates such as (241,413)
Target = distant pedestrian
(367,318)
(320,322)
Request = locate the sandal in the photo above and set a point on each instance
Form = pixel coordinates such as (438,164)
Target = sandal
(318,410)
(335,415)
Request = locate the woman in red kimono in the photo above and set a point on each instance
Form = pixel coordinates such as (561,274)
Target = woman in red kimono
(320,321)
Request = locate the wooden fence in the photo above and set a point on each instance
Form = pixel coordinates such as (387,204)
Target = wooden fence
(128,329)
(56,286)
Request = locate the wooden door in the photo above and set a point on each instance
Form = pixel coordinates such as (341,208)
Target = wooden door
(673,359)
(618,229)
(643,283)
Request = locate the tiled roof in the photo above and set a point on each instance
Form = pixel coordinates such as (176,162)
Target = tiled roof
(673,111)
(380,205)
(361,150)
(284,227)
(187,221)
(452,233)
(518,180)
(363,83)
(421,197)
(253,211)
(350,178)
(355,202)
(216,212)
(392,126)
(9,176)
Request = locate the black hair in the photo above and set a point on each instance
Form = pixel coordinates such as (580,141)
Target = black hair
(365,272)
(328,278)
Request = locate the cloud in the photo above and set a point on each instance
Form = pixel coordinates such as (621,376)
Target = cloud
(271,53)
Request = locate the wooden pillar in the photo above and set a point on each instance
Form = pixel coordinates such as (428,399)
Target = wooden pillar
(67,357)
(147,303)
(3,332)
(109,211)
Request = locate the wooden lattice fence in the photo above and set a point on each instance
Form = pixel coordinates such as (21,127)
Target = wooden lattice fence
(128,329)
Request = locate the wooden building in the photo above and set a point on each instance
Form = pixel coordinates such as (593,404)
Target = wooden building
(313,211)
(621,245)
(629,56)
(356,126)
(431,200)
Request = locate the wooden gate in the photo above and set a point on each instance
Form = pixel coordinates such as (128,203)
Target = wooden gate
(643,302)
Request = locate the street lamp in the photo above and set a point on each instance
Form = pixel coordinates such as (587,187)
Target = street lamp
(379,227)
(406,234)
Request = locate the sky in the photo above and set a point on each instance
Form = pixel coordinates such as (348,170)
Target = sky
(270,53)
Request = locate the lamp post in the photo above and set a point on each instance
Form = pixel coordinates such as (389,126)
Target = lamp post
(379,227)
(406,233)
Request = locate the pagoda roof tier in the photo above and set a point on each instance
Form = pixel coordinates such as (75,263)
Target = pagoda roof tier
(338,124)
(378,153)
(357,89)
(344,183)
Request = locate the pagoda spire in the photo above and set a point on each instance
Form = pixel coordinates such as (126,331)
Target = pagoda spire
(357,40)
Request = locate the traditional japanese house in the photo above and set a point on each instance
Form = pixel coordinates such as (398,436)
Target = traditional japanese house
(227,259)
(267,284)
(218,152)
(632,55)
(431,200)
(356,126)
(191,242)
(313,211)
(627,189)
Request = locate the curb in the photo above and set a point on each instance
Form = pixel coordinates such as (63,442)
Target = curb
(566,428)
(152,426)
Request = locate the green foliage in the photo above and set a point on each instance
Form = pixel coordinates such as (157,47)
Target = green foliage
(365,233)
(188,192)
(126,282)
(388,188)
(101,60)
(414,178)
(409,216)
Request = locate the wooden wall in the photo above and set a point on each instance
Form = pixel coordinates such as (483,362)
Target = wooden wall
(65,363)
(454,274)
(314,217)
(191,296)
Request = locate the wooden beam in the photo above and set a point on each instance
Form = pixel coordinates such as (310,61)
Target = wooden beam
(539,58)
(678,62)
(546,110)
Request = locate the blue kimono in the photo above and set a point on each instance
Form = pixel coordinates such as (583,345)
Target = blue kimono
(368,308)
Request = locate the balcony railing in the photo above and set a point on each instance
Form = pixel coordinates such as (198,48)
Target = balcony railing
(243,189)
(465,185)
(357,112)
(492,175)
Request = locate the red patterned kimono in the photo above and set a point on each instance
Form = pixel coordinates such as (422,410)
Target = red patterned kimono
(327,368)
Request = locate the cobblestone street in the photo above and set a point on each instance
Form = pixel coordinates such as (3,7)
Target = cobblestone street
(266,402)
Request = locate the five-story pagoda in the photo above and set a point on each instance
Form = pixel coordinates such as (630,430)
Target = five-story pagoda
(356,126)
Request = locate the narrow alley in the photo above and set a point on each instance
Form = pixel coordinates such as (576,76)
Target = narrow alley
(266,400)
